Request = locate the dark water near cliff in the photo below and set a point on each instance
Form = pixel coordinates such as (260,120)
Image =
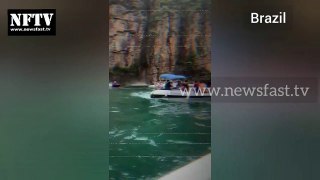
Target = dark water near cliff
(151,137)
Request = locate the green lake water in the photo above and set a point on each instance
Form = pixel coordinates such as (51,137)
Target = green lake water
(151,137)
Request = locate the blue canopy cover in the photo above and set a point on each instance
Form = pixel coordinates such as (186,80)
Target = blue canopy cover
(172,76)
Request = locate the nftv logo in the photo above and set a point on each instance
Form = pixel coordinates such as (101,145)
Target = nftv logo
(31,22)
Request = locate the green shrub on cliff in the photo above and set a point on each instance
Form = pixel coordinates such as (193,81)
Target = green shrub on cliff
(118,72)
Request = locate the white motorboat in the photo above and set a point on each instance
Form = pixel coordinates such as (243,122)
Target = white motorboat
(114,85)
(178,94)
(152,86)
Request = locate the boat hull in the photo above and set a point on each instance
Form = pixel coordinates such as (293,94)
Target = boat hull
(177,94)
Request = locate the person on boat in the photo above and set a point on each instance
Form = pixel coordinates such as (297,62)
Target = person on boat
(203,86)
(163,84)
(208,83)
(185,85)
(167,86)
(196,85)
(179,84)
(174,84)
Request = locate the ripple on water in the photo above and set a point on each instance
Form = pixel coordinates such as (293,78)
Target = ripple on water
(125,174)
(166,108)
(201,125)
(173,126)
(155,121)
(178,142)
(203,117)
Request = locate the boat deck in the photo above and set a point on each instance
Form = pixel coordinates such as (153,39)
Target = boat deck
(199,169)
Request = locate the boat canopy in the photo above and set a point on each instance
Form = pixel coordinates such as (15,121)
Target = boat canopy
(172,76)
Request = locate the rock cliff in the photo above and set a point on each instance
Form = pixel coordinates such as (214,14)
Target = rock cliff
(150,37)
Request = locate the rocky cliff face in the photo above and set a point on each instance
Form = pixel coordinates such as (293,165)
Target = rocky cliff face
(150,37)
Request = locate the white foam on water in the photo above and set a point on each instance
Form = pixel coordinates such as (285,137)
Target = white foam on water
(143,94)
(178,142)
(124,174)
(141,138)
(130,137)
(175,160)
(111,132)
(152,143)
(156,105)
(119,133)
